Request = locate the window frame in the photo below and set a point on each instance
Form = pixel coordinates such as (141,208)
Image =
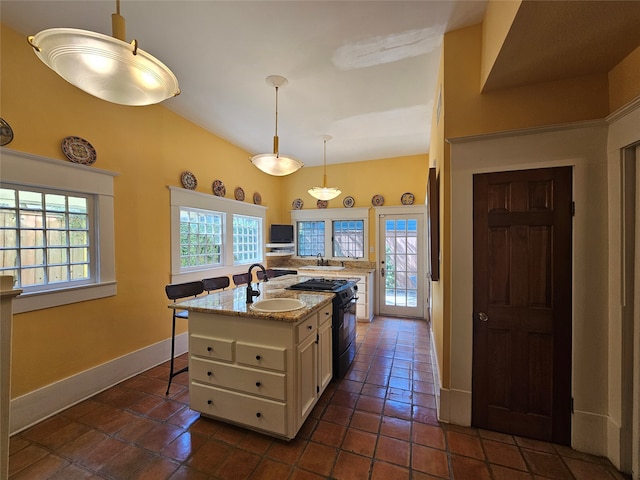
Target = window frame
(331,215)
(183,198)
(24,170)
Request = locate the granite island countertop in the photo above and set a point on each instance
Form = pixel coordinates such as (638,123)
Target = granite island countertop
(233,301)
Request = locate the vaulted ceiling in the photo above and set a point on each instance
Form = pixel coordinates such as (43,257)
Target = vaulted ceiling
(363,72)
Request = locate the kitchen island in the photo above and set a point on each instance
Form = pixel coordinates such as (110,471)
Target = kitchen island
(260,370)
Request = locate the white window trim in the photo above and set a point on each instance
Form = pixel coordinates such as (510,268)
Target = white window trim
(181,197)
(26,169)
(329,215)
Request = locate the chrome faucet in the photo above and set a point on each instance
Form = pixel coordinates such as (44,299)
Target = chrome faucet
(254,292)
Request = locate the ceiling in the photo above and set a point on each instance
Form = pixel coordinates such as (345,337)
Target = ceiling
(363,72)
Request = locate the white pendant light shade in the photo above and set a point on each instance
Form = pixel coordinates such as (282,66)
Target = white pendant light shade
(275,163)
(324,192)
(106,67)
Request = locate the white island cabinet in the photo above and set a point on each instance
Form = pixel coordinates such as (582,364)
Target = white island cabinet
(260,373)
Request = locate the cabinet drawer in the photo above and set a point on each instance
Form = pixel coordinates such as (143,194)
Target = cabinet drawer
(325,314)
(261,356)
(249,380)
(236,407)
(210,347)
(306,328)
(361,311)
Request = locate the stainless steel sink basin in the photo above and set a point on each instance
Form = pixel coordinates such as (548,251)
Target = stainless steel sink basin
(272,305)
(323,267)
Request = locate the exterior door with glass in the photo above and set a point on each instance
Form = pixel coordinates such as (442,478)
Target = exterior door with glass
(401,287)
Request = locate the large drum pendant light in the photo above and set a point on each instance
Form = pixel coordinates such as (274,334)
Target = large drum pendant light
(106,67)
(324,192)
(275,163)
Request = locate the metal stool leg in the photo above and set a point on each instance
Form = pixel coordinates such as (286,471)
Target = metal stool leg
(173,348)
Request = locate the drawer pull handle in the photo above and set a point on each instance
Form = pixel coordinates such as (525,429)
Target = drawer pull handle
(327,313)
(258,357)
(258,414)
(258,384)
(209,402)
(209,349)
(208,374)
(310,327)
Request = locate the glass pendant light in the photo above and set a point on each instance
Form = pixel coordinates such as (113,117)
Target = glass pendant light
(324,192)
(274,163)
(106,67)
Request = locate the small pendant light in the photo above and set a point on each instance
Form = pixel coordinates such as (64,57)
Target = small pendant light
(324,192)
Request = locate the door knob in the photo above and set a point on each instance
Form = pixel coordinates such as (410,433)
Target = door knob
(483,316)
(382,272)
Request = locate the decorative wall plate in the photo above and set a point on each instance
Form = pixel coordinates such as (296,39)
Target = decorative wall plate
(218,188)
(6,132)
(348,202)
(377,200)
(239,194)
(257,198)
(322,203)
(297,204)
(78,150)
(188,180)
(407,198)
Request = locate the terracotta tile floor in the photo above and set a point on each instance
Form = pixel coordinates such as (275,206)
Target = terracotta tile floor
(377,423)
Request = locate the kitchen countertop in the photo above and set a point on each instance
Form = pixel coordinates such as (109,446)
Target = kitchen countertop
(233,301)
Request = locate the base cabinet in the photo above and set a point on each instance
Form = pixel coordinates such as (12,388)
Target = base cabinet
(265,375)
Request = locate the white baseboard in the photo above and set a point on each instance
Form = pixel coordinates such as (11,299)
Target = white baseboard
(589,433)
(40,404)
(455,407)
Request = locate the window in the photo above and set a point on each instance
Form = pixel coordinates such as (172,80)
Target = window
(310,238)
(337,233)
(247,239)
(348,238)
(56,230)
(200,238)
(213,236)
(45,237)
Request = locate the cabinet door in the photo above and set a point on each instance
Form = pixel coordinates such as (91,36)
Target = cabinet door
(325,356)
(307,376)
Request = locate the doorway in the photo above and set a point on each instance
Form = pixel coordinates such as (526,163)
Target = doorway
(401,272)
(522,303)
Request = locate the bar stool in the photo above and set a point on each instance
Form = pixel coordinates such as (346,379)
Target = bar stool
(177,291)
(240,279)
(215,283)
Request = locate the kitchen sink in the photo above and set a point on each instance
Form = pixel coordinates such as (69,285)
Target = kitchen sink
(272,305)
(323,267)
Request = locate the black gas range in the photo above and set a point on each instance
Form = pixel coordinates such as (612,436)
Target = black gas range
(344,318)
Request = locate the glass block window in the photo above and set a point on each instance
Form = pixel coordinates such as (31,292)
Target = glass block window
(247,239)
(310,238)
(46,238)
(201,234)
(348,238)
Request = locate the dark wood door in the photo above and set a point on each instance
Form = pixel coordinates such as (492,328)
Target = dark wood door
(522,303)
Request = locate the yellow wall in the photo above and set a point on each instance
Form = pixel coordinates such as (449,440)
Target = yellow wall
(624,81)
(149,147)
(467,111)
(389,177)
(441,331)
(496,24)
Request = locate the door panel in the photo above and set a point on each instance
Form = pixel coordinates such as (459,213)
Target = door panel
(401,272)
(522,303)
